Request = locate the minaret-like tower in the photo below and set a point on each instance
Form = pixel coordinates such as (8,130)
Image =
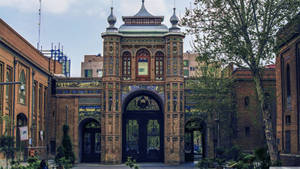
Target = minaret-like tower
(174,89)
(111,139)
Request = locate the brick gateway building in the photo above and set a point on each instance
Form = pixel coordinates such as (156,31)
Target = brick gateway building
(136,109)
(140,108)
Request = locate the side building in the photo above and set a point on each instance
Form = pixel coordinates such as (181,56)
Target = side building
(92,66)
(25,77)
(247,121)
(288,92)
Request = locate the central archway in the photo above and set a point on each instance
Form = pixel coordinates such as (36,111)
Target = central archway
(143,127)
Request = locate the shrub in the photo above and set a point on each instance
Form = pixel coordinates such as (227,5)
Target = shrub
(131,163)
(65,155)
(7,147)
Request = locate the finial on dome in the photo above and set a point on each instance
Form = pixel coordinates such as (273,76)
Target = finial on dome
(174,21)
(112,21)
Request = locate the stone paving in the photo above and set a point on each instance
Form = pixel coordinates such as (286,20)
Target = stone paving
(141,165)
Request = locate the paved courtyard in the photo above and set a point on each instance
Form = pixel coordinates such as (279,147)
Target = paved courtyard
(141,165)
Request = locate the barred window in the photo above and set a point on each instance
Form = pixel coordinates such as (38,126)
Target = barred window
(126,67)
(159,66)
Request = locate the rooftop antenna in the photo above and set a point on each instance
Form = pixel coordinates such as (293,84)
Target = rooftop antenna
(39,24)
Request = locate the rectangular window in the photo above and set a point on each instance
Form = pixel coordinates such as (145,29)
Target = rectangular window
(186,73)
(110,100)
(287,141)
(181,101)
(99,72)
(247,131)
(288,120)
(88,73)
(186,63)
(192,68)
(117,101)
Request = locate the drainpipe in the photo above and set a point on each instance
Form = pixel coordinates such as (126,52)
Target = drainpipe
(14,99)
(32,102)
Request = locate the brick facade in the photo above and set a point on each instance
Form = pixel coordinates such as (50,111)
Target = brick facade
(25,104)
(287,86)
(249,131)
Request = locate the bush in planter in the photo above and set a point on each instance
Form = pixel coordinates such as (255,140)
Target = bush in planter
(67,145)
(7,147)
(65,152)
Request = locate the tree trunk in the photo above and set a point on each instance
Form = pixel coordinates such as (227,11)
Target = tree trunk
(267,119)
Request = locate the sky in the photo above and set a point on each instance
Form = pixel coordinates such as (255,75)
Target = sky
(77,24)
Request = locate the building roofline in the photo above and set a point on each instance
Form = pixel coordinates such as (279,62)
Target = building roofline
(142,34)
(22,38)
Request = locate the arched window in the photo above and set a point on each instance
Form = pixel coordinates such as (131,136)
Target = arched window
(126,65)
(159,65)
(246,101)
(288,85)
(22,88)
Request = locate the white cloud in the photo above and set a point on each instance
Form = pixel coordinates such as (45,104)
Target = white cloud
(51,6)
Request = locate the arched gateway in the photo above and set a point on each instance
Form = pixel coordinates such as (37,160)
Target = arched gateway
(90,140)
(143,127)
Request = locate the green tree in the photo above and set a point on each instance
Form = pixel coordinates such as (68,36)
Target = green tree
(65,151)
(241,32)
(211,97)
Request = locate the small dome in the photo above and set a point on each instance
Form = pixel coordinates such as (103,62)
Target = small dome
(111,18)
(174,19)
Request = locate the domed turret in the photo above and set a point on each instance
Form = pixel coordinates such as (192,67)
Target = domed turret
(112,21)
(174,21)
